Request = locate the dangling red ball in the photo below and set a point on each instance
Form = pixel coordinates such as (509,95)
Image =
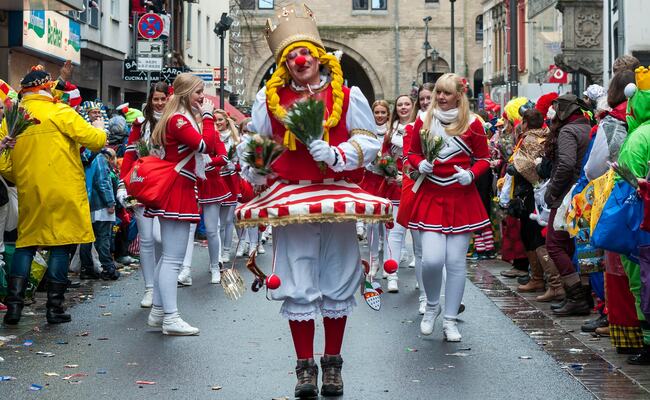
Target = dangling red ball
(390,225)
(391,266)
(261,228)
(301,60)
(273,282)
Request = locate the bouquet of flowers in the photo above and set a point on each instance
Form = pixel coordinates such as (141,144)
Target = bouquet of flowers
(142,148)
(431,147)
(624,172)
(261,152)
(305,121)
(387,166)
(232,153)
(17,118)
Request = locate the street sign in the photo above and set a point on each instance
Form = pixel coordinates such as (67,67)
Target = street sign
(216,74)
(150,48)
(150,63)
(150,26)
(167,74)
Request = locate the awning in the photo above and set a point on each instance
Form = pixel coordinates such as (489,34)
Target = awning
(234,113)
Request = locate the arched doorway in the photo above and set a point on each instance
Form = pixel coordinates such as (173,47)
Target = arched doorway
(435,70)
(356,71)
(478,82)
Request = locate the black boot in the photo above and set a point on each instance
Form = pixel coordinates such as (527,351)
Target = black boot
(88,273)
(556,306)
(591,325)
(643,358)
(15,300)
(576,302)
(55,297)
(110,273)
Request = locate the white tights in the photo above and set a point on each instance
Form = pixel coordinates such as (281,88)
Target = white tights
(417,254)
(211,218)
(150,249)
(227,225)
(394,241)
(189,249)
(440,251)
(174,235)
(376,233)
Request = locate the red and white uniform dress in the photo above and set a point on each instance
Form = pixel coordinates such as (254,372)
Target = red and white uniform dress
(183,137)
(230,176)
(372,177)
(316,250)
(442,204)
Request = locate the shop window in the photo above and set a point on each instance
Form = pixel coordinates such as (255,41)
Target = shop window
(479,28)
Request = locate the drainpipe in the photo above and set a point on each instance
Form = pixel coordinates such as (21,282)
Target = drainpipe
(397,52)
(465,43)
(621,28)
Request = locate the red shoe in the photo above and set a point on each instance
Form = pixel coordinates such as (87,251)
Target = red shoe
(3,307)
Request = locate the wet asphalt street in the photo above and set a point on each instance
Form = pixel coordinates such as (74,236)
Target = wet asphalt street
(245,351)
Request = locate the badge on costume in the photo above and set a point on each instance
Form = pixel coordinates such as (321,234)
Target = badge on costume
(372,294)
(180,123)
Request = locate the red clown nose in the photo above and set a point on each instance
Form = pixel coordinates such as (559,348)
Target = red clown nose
(301,60)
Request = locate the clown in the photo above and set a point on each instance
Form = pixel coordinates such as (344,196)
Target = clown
(314,209)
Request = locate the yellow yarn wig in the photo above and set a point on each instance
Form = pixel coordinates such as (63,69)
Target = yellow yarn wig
(512,108)
(281,77)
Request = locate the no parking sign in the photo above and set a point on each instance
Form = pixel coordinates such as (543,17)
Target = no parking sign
(150,26)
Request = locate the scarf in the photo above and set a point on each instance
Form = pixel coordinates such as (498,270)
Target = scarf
(381,130)
(441,119)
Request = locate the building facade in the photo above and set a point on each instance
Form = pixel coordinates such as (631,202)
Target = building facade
(381,40)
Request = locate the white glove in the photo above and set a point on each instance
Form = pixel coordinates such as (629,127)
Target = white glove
(425,167)
(121,196)
(207,107)
(253,177)
(463,176)
(321,151)
(229,167)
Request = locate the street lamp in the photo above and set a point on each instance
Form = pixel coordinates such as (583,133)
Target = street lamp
(426,46)
(453,39)
(220,28)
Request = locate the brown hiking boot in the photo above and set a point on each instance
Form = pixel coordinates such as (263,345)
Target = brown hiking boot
(307,374)
(332,380)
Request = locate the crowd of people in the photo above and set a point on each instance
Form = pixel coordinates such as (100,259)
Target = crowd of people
(532,182)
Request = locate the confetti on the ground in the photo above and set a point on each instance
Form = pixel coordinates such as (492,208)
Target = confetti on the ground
(132,364)
(28,343)
(102,338)
(101,372)
(457,354)
(217,387)
(525,357)
(7,338)
(45,353)
(4,378)
(84,333)
(61,342)
(34,387)
(145,383)
(107,314)
(77,375)
(71,366)
(51,374)
(411,350)
(2,359)
(415,380)
(575,351)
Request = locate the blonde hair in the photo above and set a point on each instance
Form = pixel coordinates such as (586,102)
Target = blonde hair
(184,85)
(234,131)
(281,78)
(451,83)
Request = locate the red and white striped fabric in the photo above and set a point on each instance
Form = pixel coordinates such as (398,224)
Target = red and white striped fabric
(330,201)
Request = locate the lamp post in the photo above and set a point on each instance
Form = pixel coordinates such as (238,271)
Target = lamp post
(453,38)
(426,46)
(220,28)
(434,59)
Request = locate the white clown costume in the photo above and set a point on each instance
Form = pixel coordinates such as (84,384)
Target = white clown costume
(314,211)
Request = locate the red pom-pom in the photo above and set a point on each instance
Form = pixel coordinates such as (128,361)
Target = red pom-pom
(273,282)
(301,60)
(390,225)
(391,266)
(261,228)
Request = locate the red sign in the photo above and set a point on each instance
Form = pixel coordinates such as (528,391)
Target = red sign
(150,26)
(556,75)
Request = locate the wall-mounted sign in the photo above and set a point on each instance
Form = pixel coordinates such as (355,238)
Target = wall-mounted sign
(132,73)
(53,34)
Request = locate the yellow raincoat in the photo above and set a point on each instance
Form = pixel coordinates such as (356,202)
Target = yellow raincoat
(46,167)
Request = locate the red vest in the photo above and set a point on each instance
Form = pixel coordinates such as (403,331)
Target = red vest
(298,164)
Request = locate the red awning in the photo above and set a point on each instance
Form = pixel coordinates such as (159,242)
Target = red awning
(234,113)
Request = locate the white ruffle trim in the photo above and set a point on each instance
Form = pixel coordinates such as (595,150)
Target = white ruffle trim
(327,308)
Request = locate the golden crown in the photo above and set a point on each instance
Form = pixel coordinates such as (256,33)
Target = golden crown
(642,78)
(291,28)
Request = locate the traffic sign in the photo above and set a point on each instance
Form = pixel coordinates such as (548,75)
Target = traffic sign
(216,74)
(150,63)
(150,48)
(150,26)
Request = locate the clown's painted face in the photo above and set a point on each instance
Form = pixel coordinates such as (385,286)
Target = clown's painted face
(303,67)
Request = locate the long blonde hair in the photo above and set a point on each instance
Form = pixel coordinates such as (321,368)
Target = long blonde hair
(394,117)
(234,131)
(184,85)
(451,83)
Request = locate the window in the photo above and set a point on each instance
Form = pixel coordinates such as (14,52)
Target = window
(265,4)
(431,1)
(363,5)
(247,4)
(479,28)
(115,9)
(90,15)
(199,41)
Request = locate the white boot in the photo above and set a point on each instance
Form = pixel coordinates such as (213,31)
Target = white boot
(156,316)
(243,249)
(412,263)
(185,276)
(215,272)
(392,284)
(423,304)
(429,319)
(225,255)
(261,249)
(374,268)
(175,326)
(450,330)
(147,300)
